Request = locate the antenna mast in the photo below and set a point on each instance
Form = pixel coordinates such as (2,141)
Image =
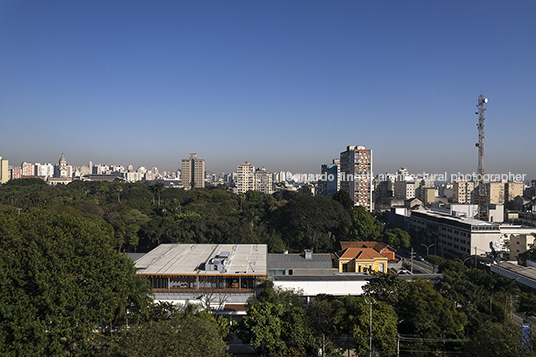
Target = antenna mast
(481,188)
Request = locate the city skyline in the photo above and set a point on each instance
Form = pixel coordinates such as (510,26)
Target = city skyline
(283,85)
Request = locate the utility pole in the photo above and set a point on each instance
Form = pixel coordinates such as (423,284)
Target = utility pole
(397,345)
(411,255)
(370,324)
(476,256)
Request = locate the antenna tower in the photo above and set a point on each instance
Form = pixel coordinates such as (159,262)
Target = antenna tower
(481,189)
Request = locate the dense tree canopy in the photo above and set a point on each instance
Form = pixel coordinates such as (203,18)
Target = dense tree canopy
(143,216)
(60,279)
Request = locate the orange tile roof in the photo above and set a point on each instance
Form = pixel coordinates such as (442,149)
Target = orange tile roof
(360,254)
(379,246)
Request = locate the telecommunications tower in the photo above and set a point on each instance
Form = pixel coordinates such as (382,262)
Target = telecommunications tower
(481,195)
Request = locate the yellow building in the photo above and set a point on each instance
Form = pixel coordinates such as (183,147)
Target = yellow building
(360,260)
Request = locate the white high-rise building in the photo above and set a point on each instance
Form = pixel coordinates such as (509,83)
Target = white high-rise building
(263,181)
(4,172)
(44,170)
(245,180)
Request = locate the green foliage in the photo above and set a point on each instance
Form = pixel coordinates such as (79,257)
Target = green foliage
(527,304)
(344,199)
(262,328)
(353,317)
(497,339)
(387,287)
(424,312)
(312,222)
(276,324)
(180,336)
(59,279)
(397,238)
(364,226)
(435,259)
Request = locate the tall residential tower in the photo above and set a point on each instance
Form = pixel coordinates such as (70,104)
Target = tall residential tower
(193,172)
(356,175)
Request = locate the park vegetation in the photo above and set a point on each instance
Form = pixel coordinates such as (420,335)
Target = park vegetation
(68,289)
(141,216)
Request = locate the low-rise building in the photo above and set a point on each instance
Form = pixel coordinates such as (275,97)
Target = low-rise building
(455,236)
(359,260)
(212,274)
(306,264)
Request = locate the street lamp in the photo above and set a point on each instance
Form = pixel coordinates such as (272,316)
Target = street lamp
(463,260)
(427,247)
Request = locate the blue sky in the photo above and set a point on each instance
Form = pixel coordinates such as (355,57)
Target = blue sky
(282,84)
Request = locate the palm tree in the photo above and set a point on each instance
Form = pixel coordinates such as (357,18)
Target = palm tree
(157,188)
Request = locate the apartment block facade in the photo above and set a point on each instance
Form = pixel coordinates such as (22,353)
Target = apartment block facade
(462,191)
(245,177)
(356,175)
(193,172)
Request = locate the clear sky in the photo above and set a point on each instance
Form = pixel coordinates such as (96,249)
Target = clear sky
(282,84)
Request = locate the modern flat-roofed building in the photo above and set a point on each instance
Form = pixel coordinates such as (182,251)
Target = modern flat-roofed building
(306,264)
(455,236)
(224,273)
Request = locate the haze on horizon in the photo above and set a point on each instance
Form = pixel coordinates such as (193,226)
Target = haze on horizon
(284,85)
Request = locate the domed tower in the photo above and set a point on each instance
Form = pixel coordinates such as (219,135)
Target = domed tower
(63,166)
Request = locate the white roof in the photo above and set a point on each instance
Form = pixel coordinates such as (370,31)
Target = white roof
(187,259)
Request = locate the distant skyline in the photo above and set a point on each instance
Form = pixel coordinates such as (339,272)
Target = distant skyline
(284,85)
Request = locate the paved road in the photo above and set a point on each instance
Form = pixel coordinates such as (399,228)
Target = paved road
(419,266)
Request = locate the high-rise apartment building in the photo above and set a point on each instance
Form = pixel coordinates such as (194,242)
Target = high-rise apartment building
(4,171)
(44,170)
(512,189)
(462,191)
(16,173)
(330,181)
(356,175)
(193,172)
(496,193)
(263,181)
(28,169)
(245,177)
(405,189)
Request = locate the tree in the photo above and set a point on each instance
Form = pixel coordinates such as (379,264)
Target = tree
(353,317)
(364,225)
(276,323)
(59,280)
(424,312)
(175,337)
(312,222)
(387,287)
(527,304)
(320,316)
(343,197)
(262,328)
(157,189)
(497,339)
